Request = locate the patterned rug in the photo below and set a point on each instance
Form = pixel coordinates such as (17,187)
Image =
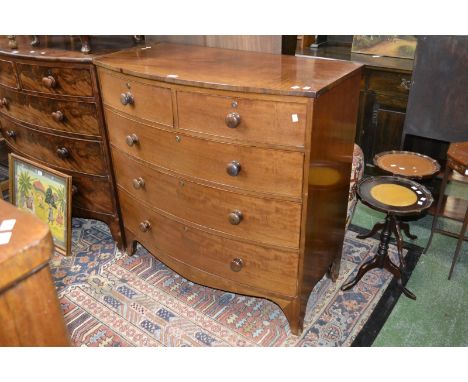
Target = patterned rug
(111,299)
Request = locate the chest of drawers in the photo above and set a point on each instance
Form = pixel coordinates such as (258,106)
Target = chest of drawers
(233,167)
(50,111)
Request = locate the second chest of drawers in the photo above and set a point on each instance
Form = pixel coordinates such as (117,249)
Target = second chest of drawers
(50,111)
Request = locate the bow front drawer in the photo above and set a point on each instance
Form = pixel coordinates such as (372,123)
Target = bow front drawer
(66,116)
(92,193)
(243,119)
(264,220)
(258,266)
(250,168)
(56,80)
(80,155)
(138,99)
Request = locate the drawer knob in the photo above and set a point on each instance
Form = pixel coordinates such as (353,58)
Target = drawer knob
(233,168)
(63,152)
(131,139)
(138,183)
(11,134)
(232,120)
(126,98)
(145,226)
(74,190)
(236,264)
(405,84)
(3,102)
(49,82)
(57,116)
(235,217)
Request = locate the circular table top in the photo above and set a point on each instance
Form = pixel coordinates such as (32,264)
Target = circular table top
(407,164)
(457,156)
(393,194)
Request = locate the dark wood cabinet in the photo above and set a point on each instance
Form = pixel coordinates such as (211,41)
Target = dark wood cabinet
(383,99)
(384,91)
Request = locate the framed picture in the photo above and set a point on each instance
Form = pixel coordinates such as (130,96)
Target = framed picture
(389,46)
(46,193)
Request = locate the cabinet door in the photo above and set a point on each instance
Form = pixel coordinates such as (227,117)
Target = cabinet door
(382,128)
(387,126)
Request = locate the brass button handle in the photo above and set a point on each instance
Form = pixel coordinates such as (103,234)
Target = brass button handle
(57,116)
(49,82)
(138,183)
(232,120)
(63,152)
(11,134)
(74,190)
(236,264)
(235,217)
(126,98)
(145,226)
(3,102)
(131,139)
(233,168)
(405,84)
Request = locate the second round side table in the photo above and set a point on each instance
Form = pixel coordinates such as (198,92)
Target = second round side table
(457,160)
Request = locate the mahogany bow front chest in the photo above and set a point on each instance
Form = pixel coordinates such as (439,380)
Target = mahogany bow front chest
(50,112)
(233,167)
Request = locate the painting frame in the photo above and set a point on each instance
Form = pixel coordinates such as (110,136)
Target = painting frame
(395,46)
(52,176)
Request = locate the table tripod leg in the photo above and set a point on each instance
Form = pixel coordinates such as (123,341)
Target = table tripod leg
(396,271)
(439,206)
(459,244)
(376,228)
(364,268)
(399,240)
(405,228)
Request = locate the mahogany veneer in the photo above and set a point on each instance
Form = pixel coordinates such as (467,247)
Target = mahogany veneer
(215,155)
(50,112)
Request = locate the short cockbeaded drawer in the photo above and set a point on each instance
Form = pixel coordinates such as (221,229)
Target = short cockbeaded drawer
(138,99)
(61,115)
(55,80)
(80,155)
(243,119)
(270,171)
(388,82)
(264,220)
(258,266)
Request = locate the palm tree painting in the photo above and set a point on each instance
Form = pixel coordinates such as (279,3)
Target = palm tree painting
(45,193)
(25,186)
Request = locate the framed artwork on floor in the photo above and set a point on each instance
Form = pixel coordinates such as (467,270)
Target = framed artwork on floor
(46,193)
